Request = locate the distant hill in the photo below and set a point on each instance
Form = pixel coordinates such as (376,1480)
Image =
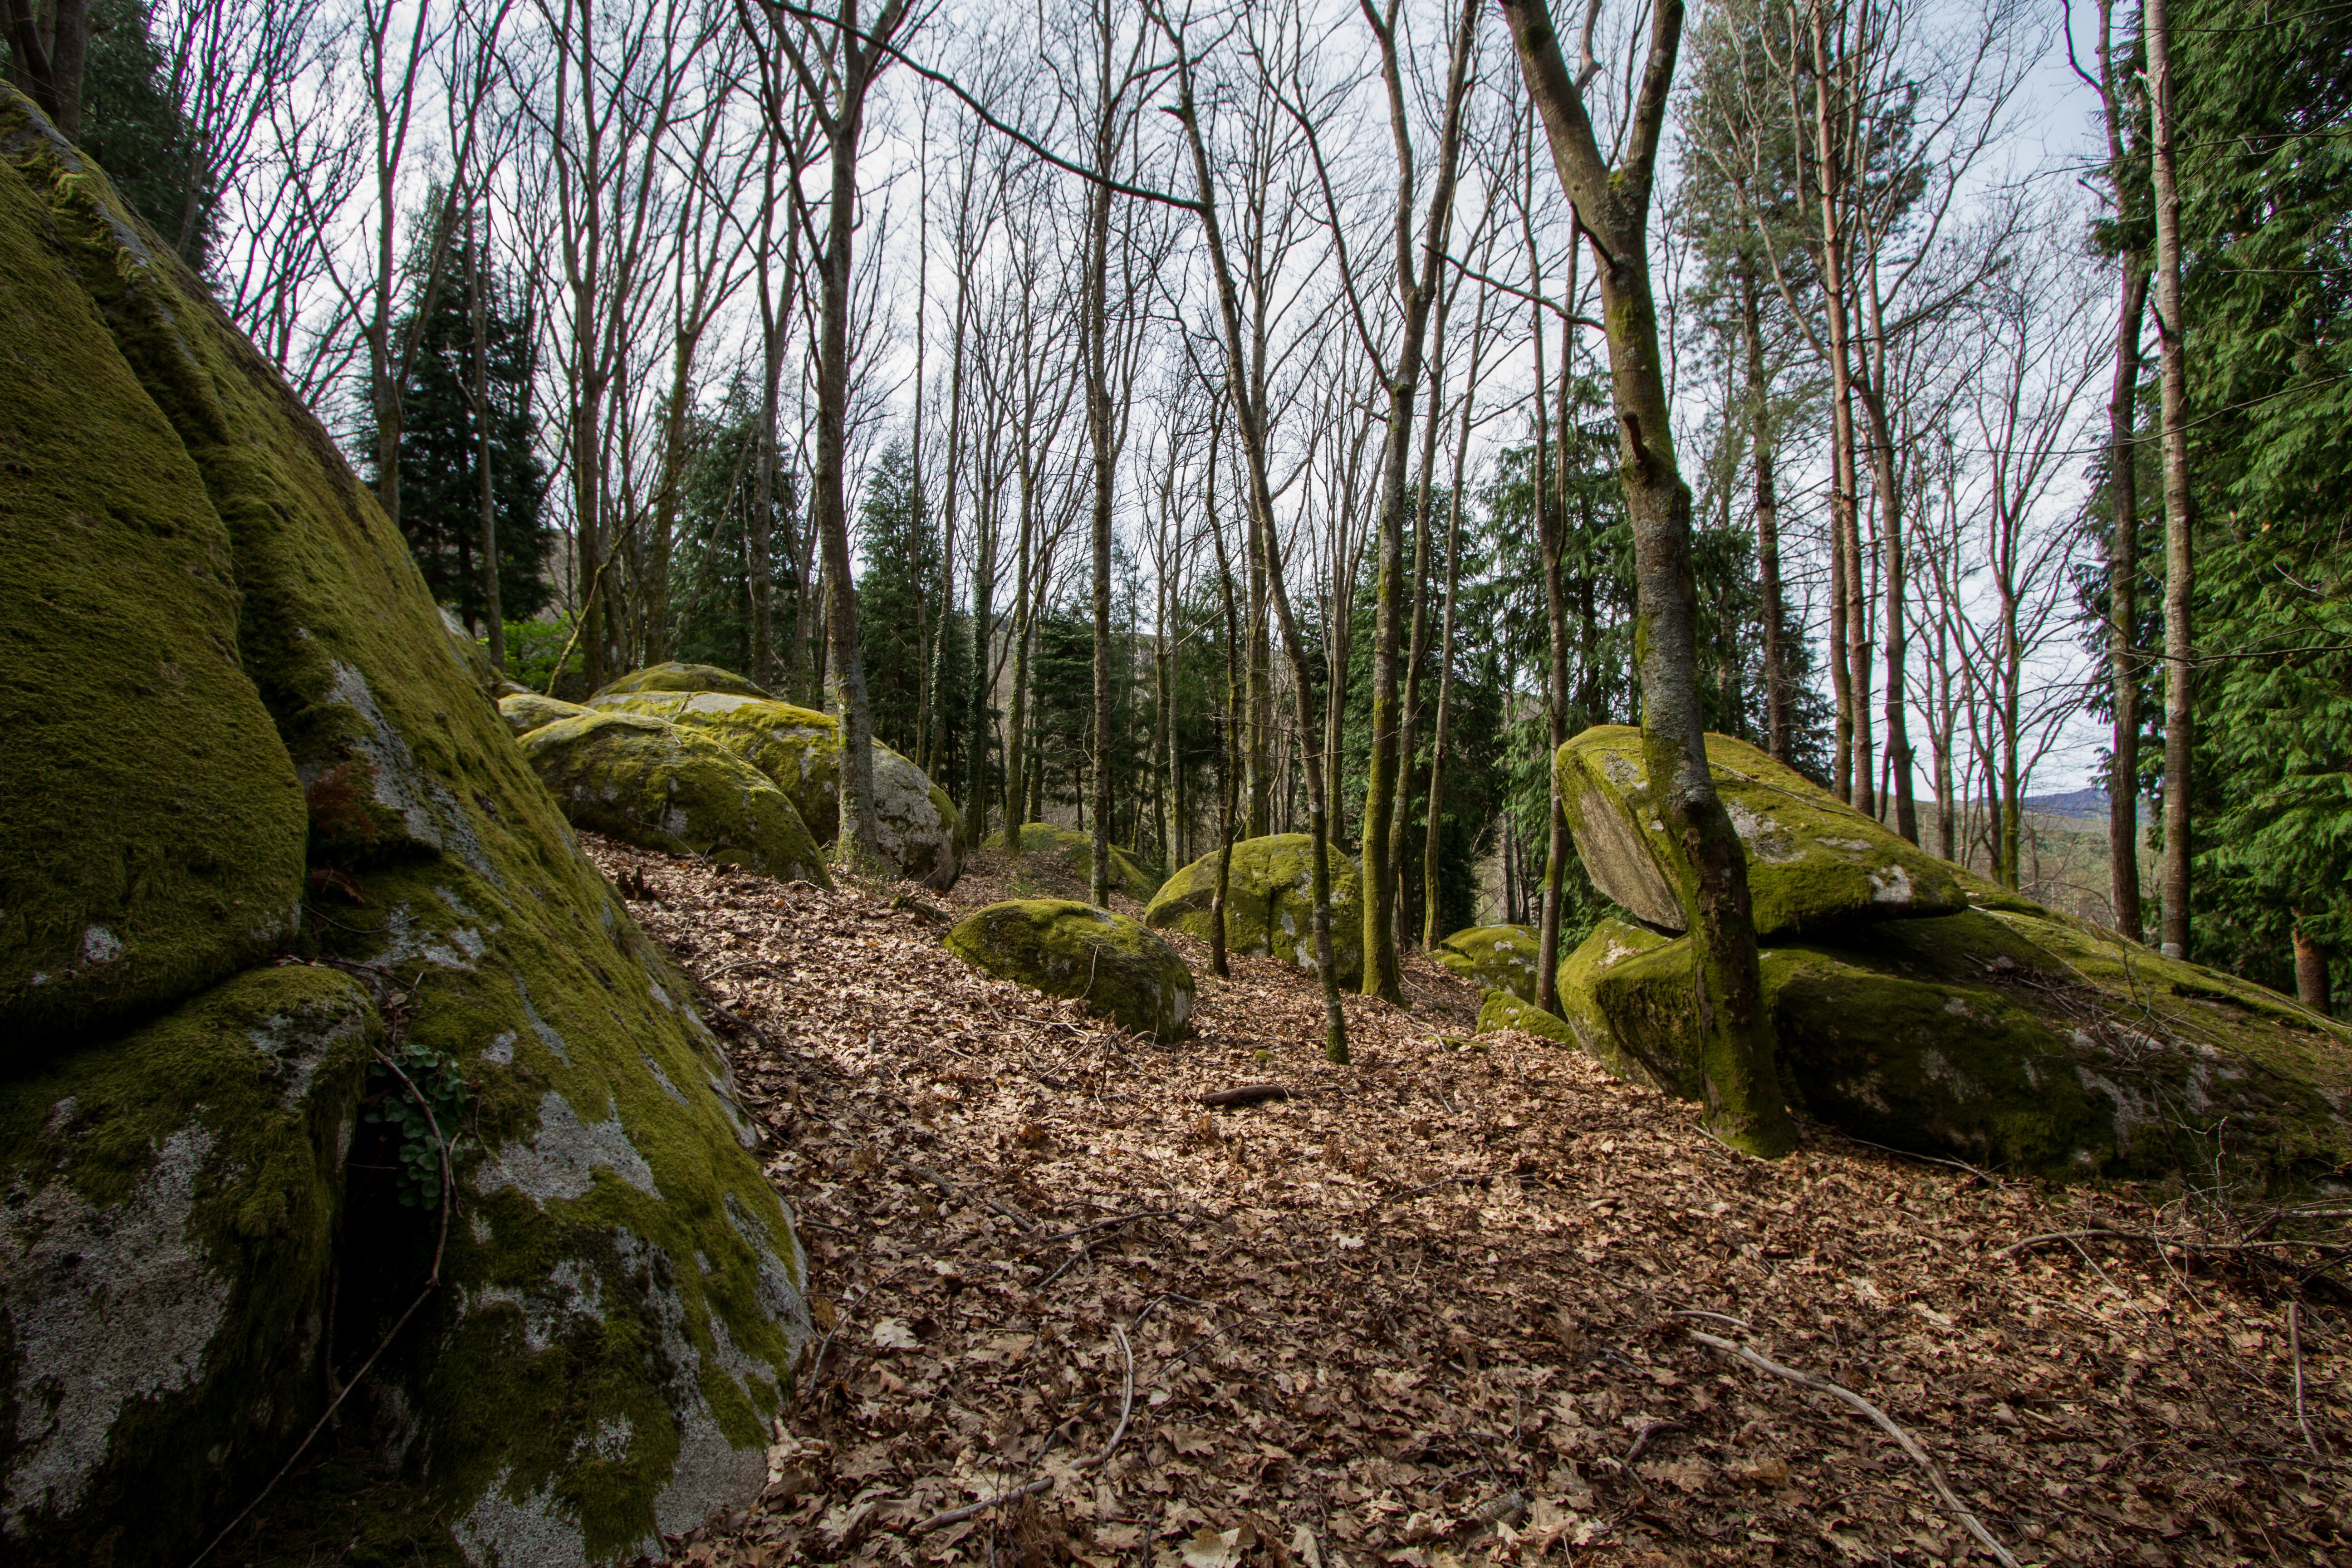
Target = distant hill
(2090,803)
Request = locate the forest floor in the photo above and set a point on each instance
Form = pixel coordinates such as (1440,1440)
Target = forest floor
(1440,1306)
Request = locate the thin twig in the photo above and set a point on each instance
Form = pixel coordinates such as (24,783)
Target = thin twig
(1045,1483)
(958,1515)
(1106,1225)
(1886,1424)
(2294,1342)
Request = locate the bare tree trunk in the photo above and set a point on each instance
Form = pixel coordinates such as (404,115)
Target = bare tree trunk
(1431,880)
(2310,971)
(1845,588)
(1734,1043)
(1779,701)
(491,612)
(2180,565)
(52,42)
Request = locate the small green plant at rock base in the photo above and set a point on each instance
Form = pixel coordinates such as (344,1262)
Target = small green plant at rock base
(434,1076)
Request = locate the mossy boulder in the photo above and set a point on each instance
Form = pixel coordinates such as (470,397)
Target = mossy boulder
(1065,948)
(659,786)
(1269,903)
(152,820)
(619,1303)
(677,676)
(1500,957)
(800,750)
(1503,1009)
(174,1196)
(2005,1040)
(1073,852)
(527,710)
(1813,863)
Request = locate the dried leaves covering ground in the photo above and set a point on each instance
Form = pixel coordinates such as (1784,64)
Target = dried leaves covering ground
(1437,1306)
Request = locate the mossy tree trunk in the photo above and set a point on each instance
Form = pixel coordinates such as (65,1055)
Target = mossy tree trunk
(1742,1090)
(1246,408)
(2179,717)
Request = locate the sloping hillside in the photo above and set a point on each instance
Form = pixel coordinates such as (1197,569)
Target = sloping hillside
(1444,1304)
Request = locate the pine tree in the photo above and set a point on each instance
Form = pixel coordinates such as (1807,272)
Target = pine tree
(440,451)
(898,597)
(140,135)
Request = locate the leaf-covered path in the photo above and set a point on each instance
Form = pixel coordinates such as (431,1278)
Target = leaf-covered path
(1437,1306)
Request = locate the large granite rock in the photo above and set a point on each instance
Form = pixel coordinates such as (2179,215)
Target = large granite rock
(657,785)
(1069,949)
(677,676)
(527,710)
(1270,903)
(1813,864)
(2009,1040)
(228,687)
(800,750)
(1072,853)
(1500,958)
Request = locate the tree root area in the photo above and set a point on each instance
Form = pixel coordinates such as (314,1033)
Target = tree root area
(1435,1307)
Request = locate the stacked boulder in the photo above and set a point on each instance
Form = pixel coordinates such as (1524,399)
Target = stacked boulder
(1064,948)
(268,840)
(1072,853)
(798,751)
(1269,903)
(1912,1004)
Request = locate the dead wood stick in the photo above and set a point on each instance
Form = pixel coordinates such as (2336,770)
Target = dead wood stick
(2153,1240)
(727,1016)
(1854,1401)
(732,968)
(958,1515)
(1126,1404)
(1642,1443)
(955,1196)
(1248,1094)
(2294,1342)
(1106,1225)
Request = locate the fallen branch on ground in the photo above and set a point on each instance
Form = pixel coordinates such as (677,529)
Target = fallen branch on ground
(1959,1509)
(1046,1484)
(1248,1094)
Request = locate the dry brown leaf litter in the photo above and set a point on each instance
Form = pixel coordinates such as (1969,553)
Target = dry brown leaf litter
(1437,1306)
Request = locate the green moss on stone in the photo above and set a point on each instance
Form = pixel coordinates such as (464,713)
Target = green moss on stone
(152,821)
(1502,957)
(173,1203)
(1270,903)
(1075,852)
(1508,1010)
(527,710)
(619,1306)
(800,750)
(659,786)
(1065,948)
(677,676)
(1611,942)
(1813,864)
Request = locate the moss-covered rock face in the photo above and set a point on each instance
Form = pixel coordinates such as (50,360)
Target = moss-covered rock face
(2002,1039)
(152,820)
(527,710)
(676,677)
(165,1248)
(800,750)
(1065,948)
(652,783)
(1813,864)
(1508,1010)
(1076,853)
(1502,958)
(619,1303)
(1270,903)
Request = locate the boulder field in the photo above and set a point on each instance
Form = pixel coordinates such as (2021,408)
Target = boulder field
(1269,903)
(1913,1003)
(268,840)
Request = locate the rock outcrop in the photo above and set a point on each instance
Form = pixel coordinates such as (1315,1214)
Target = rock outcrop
(1957,1019)
(800,750)
(1073,851)
(1498,958)
(677,676)
(1812,861)
(661,786)
(1065,948)
(265,830)
(527,710)
(1270,903)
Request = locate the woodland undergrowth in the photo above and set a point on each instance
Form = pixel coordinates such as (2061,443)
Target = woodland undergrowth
(1444,1304)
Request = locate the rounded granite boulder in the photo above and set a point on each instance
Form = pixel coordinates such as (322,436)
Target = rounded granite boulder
(1065,948)
(1501,958)
(799,749)
(527,710)
(1813,862)
(1075,852)
(652,783)
(1269,903)
(677,676)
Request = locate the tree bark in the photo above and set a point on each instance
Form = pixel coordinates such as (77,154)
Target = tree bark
(50,53)
(1778,698)
(2310,971)
(1733,1045)
(2178,560)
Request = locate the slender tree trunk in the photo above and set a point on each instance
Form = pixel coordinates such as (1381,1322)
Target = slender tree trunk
(52,43)
(1430,877)
(1845,588)
(2310,971)
(1733,1044)
(1099,422)
(491,610)
(1778,699)
(2171,330)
